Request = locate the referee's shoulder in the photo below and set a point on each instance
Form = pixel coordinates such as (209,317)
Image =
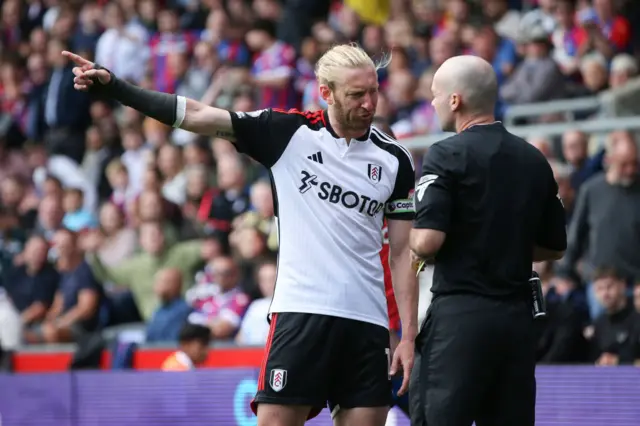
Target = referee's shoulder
(454,145)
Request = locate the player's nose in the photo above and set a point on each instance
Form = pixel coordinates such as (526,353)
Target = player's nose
(368,104)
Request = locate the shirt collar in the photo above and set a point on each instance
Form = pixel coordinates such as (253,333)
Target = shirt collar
(327,122)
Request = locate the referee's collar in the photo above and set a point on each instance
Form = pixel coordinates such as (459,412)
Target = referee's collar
(484,124)
(327,123)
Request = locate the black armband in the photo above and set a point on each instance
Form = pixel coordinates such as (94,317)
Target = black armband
(167,108)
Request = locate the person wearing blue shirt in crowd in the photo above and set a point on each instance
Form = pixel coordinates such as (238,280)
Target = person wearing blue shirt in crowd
(173,312)
(32,282)
(76,307)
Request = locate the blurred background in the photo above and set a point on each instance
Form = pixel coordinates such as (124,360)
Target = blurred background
(116,230)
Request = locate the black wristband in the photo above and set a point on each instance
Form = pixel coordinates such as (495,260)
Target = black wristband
(157,105)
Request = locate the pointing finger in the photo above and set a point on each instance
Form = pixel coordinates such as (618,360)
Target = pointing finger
(79,60)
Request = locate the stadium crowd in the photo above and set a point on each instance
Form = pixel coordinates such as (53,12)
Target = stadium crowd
(108,217)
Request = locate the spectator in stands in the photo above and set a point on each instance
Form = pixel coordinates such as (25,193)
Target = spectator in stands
(13,163)
(538,77)
(38,74)
(50,215)
(134,157)
(595,73)
(122,191)
(505,20)
(566,192)
(605,31)
(194,341)
(541,17)
(624,67)
(230,50)
(32,283)
(566,38)
(562,339)
(96,156)
(575,150)
(273,69)
(116,242)
(66,110)
(138,272)
(76,218)
(218,299)
(196,154)
(261,215)
(401,92)
(543,145)
(122,47)
(255,328)
(617,331)
(76,306)
(175,181)
(605,213)
(150,206)
(173,310)
(169,39)
(15,200)
(500,52)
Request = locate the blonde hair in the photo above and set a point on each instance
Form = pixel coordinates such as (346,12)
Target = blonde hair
(345,56)
(115,166)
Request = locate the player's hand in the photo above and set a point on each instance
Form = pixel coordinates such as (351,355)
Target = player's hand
(417,263)
(85,72)
(403,358)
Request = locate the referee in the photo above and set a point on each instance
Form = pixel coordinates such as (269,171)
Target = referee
(486,208)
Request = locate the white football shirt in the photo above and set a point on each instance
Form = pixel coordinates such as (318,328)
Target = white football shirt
(330,200)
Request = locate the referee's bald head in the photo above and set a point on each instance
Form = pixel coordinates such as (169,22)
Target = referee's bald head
(464,88)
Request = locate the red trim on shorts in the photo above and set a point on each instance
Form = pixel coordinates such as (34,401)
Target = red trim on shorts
(263,367)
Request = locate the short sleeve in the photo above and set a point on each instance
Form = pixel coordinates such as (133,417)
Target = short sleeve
(86,280)
(264,135)
(552,234)
(46,290)
(434,191)
(400,205)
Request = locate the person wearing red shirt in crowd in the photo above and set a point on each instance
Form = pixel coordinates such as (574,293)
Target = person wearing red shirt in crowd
(274,67)
(169,39)
(603,29)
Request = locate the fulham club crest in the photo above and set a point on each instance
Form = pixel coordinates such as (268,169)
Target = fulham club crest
(375,172)
(278,379)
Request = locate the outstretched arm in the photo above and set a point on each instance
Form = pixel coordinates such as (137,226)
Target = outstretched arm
(170,109)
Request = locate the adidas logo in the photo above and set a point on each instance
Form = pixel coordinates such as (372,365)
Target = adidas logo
(317,157)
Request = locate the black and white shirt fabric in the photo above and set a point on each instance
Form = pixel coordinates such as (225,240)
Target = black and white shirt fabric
(330,200)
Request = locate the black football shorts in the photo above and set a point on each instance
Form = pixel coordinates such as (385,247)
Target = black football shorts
(316,360)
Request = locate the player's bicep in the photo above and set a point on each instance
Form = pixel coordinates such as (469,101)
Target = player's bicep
(434,193)
(263,135)
(400,205)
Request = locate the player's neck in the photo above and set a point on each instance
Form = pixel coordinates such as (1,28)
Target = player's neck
(465,122)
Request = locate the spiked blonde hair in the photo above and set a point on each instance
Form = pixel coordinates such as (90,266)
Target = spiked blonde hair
(345,56)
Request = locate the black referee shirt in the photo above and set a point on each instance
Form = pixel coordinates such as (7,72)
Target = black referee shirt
(495,197)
